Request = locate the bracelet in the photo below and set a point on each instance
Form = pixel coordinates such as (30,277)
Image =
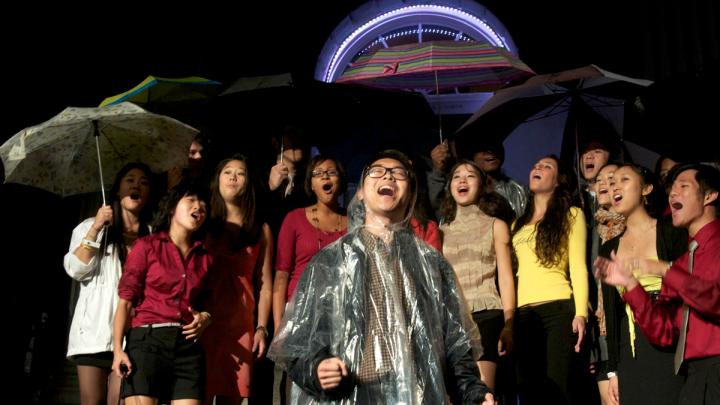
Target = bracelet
(611,374)
(88,248)
(262,329)
(90,243)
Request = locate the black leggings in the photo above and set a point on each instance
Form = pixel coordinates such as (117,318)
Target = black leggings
(544,347)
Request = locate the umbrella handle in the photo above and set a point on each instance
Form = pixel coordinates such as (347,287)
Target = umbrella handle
(99,159)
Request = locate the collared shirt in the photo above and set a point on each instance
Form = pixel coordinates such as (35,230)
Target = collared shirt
(159,283)
(379,342)
(660,321)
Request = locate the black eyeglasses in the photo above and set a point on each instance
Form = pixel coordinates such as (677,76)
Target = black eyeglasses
(323,173)
(377,172)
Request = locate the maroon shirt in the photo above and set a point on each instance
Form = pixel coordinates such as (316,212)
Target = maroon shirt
(298,242)
(159,283)
(660,321)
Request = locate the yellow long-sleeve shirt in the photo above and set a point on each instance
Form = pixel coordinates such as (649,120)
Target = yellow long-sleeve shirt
(537,283)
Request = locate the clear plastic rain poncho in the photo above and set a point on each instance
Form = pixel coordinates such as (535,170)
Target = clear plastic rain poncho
(390,307)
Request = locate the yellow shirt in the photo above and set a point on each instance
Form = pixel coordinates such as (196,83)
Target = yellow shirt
(537,283)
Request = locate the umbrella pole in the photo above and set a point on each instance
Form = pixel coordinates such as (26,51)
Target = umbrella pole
(96,132)
(437,91)
(282,147)
(578,164)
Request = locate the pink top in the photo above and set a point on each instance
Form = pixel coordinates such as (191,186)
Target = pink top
(298,242)
(159,283)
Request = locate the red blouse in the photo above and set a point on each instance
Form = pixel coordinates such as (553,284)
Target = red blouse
(159,283)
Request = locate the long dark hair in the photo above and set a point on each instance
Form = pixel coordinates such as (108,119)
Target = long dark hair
(448,207)
(251,228)
(115,229)
(655,202)
(551,233)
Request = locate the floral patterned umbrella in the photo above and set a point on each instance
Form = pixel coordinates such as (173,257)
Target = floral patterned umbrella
(64,154)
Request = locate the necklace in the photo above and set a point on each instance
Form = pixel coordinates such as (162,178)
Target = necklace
(316,224)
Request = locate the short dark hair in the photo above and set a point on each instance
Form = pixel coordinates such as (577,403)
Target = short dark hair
(166,208)
(496,148)
(290,138)
(342,176)
(708,178)
(406,163)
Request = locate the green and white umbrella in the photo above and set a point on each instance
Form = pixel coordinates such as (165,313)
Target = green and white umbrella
(162,90)
(65,154)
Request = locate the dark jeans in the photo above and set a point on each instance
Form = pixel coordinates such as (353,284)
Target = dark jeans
(544,348)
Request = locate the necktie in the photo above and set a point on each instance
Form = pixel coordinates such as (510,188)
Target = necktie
(680,350)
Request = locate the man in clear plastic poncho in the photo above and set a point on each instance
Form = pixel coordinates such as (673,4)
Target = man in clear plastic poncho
(378,317)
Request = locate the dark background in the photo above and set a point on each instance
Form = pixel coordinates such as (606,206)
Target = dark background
(54,56)
(57,56)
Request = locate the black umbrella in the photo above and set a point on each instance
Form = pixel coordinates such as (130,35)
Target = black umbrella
(552,113)
(254,108)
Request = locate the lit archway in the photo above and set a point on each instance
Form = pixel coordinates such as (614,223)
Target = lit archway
(394,22)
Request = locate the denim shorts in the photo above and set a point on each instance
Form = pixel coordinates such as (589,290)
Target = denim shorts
(165,365)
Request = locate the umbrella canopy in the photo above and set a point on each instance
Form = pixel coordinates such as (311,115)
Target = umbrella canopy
(326,111)
(348,122)
(552,113)
(437,65)
(260,82)
(61,154)
(155,90)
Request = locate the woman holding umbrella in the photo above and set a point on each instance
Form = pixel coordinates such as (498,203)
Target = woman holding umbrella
(98,249)
(305,231)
